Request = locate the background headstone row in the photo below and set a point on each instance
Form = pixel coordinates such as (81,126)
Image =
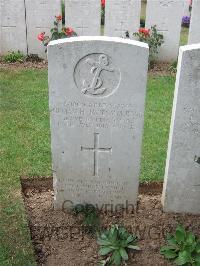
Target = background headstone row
(22,20)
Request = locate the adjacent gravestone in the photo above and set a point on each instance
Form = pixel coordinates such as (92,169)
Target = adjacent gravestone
(194,34)
(167,16)
(40,16)
(83,16)
(122,16)
(12,26)
(97,91)
(182,175)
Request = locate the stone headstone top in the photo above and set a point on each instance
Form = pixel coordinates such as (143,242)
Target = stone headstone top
(122,16)
(12,26)
(97,91)
(194,33)
(83,16)
(40,16)
(167,16)
(182,175)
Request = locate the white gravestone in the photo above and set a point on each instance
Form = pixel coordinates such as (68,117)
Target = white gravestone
(194,34)
(182,175)
(83,16)
(40,16)
(12,26)
(167,16)
(122,16)
(97,91)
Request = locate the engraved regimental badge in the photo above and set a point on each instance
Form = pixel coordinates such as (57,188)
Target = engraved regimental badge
(95,75)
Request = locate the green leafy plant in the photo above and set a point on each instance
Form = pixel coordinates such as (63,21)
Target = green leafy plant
(57,32)
(13,57)
(173,67)
(89,213)
(114,244)
(152,38)
(183,248)
(103,3)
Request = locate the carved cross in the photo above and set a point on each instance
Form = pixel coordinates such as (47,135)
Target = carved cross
(121,30)
(162,27)
(82,27)
(96,150)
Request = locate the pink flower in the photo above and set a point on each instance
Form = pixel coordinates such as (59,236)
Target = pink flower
(103,3)
(59,18)
(41,36)
(144,31)
(69,31)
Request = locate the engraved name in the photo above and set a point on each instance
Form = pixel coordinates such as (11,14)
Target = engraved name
(98,115)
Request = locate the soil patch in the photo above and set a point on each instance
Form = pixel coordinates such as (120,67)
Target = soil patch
(59,238)
(159,69)
(24,65)
(162,69)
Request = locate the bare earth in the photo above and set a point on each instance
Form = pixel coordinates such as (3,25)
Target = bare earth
(160,69)
(60,239)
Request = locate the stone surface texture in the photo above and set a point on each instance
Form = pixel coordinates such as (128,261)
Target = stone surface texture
(12,26)
(97,92)
(83,16)
(194,34)
(40,16)
(182,175)
(122,16)
(167,16)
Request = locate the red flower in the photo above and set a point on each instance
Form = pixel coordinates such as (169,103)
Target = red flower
(41,36)
(103,3)
(59,18)
(144,31)
(69,31)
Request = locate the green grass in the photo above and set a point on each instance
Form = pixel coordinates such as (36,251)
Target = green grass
(156,128)
(24,151)
(184,36)
(25,148)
